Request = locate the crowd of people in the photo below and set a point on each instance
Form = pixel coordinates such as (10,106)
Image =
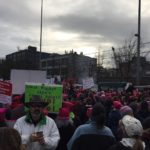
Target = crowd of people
(87,120)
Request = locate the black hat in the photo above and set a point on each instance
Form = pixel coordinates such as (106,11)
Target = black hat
(36,99)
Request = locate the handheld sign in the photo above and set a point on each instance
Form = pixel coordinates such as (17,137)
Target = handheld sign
(5,92)
(49,93)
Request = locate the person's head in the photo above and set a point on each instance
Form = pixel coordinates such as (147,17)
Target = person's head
(117,104)
(63,114)
(98,115)
(36,106)
(126,110)
(131,126)
(146,127)
(134,107)
(89,112)
(144,105)
(63,118)
(10,139)
(146,123)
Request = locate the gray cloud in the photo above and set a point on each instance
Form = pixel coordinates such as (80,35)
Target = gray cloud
(96,22)
(108,28)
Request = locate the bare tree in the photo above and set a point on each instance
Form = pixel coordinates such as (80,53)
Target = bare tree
(100,58)
(100,62)
(123,56)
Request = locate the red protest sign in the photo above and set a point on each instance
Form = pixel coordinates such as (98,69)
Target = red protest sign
(5,92)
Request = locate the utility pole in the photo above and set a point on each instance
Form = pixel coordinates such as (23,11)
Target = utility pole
(41,24)
(114,53)
(138,45)
(98,65)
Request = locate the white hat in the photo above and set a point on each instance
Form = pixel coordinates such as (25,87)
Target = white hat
(132,126)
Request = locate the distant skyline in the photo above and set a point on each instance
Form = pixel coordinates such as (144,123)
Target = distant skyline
(81,25)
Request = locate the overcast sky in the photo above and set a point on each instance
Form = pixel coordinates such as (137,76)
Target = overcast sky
(81,25)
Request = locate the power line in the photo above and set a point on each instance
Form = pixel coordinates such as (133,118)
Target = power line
(146,43)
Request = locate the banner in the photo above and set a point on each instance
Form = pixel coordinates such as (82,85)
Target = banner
(5,92)
(49,93)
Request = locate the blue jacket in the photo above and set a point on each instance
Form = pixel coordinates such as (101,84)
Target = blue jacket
(88,129)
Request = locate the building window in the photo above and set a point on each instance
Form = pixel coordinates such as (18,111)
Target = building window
(44,64)
(49,63)
(49,72)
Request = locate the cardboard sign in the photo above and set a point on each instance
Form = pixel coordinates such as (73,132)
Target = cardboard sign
(49,93)
(5,92)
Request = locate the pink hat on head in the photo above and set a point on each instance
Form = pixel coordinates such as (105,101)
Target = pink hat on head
(117,104)
(68,105)
(126,110)
(63,114)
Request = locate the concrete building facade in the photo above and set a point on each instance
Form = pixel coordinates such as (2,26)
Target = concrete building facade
(26,59)
(70,65)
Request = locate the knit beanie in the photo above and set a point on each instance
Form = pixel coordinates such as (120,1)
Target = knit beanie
(63,114)
(125,110)
(117,104)
(133,126)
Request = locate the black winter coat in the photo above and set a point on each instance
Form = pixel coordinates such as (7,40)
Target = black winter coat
(93,142)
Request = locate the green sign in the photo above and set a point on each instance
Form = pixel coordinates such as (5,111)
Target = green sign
(49,93)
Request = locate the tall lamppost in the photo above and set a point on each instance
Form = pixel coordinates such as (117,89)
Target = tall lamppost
(138,66)
(41,24)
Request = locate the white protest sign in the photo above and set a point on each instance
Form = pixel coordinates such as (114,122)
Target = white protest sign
(88,83)
(19,77)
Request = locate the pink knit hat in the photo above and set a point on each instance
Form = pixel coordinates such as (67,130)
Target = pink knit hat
(117,104)
(68,105)
(126,110)
(63,114)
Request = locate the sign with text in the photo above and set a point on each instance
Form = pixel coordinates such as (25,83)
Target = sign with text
(49,93)
(5,92)
(88,83)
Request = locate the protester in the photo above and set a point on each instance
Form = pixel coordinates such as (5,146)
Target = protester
(89,114)
(126,110)
(94,135)
(10,139)
(135,107)
(17,105)
(114,117)
(144,111)
(132,132)
(38,132)
(65,127)
(2,117)
(146,133)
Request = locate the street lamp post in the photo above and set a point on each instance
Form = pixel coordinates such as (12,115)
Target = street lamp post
(41,24)
(138,45)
